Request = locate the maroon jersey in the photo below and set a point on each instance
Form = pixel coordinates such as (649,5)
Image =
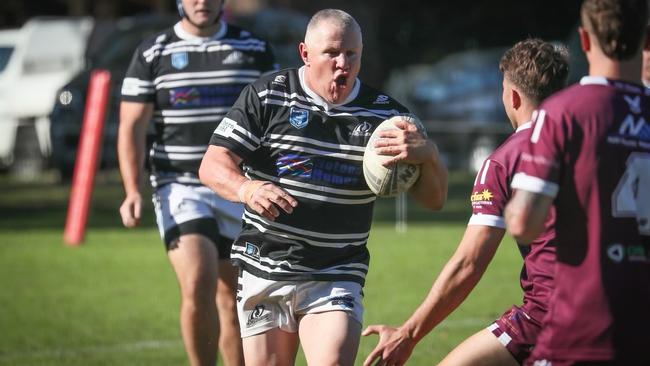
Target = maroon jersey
(590,149)
(489,197)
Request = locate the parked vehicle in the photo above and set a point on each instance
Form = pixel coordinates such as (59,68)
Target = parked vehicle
(46,53)
(113,54)
(459,101)
(282,28)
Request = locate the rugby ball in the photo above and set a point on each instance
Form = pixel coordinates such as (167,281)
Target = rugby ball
(388,181)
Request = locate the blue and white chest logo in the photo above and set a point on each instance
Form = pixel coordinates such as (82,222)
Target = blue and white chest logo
(298,118)
(362,130)
(180,60)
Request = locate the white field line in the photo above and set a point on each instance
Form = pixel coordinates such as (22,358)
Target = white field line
(80,351)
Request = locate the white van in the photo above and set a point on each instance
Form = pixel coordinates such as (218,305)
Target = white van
(46,53)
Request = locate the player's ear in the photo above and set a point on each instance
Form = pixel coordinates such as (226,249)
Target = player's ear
(304,54)
(515,99)
(585,43)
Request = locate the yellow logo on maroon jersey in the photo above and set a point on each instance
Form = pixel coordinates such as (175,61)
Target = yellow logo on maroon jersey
(486,195)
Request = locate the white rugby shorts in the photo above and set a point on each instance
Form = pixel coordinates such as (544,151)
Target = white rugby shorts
(186,209)
(266,304)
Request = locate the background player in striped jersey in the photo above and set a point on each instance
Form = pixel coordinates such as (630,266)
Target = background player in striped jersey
(301,134)
(186,79)
(589,157)
(532,70)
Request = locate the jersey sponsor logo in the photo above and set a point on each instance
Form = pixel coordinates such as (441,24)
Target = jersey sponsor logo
(363,129)
(205,96)
(180,60)
(252,251)
(381,99)
(635,128)
(336,172)
(634,103)
(635,253)
(294,165)
(484,196)
(299,118)
(259,313)
(225,128)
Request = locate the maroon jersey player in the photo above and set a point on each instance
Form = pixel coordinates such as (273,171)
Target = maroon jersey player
(589,157)
(532,70)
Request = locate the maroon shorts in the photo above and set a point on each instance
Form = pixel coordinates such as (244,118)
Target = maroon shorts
(517,331)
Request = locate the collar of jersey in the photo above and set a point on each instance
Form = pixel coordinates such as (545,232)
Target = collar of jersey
(322,102)
(184,35)
(524,126)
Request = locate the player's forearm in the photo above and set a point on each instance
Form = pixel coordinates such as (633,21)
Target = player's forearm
(220,172)
(431,188)
(525,215)
(456,280)
(130,150)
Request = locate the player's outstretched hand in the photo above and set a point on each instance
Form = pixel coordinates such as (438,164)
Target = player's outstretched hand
(131,209)
(405,144)
(394,348)
(265,198)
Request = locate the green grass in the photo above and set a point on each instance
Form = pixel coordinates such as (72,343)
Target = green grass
(114,300)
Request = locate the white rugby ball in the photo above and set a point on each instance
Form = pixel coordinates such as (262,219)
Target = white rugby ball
(393,179)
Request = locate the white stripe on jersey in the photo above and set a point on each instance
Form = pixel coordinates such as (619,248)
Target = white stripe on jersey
(135,87)
(213,81)
(343,201)
(487,220)
(271,137)
(203,48)
(534,185)
(331,113)
(316,234)
(314,151)
(175,156)
(339,109)
(291,182)
(180,149)
(202,45)
(315,243)
(183,120)
(190,112)
(206,74)
(264,265)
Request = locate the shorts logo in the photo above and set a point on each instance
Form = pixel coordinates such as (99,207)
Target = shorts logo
(252,251)
(180,60)
(362,129)
(258,315)
(343,301)
(298,118)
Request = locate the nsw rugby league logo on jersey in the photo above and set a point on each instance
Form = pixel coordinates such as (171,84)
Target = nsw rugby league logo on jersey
(299,118)
(180,60)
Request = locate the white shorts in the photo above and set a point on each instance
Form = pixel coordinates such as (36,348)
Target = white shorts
(193,209)
(265,304)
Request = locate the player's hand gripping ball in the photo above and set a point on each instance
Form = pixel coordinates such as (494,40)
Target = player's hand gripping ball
(387,181)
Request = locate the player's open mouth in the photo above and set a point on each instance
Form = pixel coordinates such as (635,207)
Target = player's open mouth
(341,81)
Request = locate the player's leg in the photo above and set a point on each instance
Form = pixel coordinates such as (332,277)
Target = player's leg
(481,349)
(274,347)
(194,258)
(330,338)
(230,343)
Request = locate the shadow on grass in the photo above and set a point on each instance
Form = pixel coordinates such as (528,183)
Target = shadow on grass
(43,205)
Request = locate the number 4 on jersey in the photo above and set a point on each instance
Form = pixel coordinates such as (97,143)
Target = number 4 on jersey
(631,197)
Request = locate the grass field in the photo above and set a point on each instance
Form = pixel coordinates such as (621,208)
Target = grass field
(114,301)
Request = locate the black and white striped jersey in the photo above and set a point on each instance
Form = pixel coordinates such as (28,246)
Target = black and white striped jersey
(287,134)
(192,82)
